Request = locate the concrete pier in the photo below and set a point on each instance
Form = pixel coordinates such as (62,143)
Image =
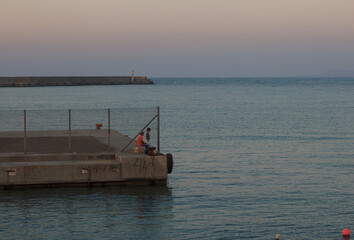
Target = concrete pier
(48,163)
(72,81)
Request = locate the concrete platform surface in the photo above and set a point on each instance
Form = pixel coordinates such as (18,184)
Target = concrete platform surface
(57,141)
(90,162)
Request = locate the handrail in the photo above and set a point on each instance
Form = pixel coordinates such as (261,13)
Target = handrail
(109,129)
(24,132)
(109,142)
(69,150)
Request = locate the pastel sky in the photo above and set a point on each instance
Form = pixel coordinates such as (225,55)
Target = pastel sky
(176,38)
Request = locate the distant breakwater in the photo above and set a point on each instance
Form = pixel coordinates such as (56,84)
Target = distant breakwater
(72,81)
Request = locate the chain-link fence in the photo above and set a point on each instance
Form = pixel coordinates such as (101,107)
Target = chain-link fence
(21,130)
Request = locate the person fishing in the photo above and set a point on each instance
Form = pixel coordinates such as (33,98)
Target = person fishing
(140,140)
(147,136)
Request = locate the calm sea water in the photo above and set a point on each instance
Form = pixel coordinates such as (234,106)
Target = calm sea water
(253,157)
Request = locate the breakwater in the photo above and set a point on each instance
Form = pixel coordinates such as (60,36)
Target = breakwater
(72,81)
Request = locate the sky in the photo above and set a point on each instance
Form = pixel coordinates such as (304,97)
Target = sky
(176,38)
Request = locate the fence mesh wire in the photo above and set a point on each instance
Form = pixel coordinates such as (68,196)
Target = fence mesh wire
(11,120)
(128,121)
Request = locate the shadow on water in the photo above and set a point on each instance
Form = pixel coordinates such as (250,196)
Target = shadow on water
(107,211)
(153,191)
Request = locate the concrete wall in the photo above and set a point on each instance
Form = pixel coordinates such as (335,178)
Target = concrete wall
(71,81)
(143,167)
(53,171)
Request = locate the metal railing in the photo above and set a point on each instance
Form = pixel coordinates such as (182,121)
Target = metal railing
(54,119)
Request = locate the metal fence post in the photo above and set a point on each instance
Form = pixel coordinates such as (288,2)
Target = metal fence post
(69,131)
(158,129)
(24,132)
(109,129)
(139,133)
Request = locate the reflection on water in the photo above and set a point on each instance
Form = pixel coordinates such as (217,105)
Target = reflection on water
(81,212)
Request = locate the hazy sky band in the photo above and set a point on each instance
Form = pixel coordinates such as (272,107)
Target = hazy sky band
(175,38)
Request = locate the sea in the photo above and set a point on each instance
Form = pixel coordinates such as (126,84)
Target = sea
(253,158)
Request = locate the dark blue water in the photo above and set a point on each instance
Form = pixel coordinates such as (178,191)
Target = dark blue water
(253,158)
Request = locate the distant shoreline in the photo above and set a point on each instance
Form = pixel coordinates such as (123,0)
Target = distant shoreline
(72,81)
